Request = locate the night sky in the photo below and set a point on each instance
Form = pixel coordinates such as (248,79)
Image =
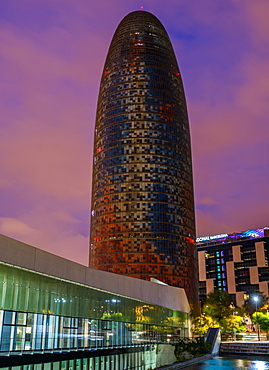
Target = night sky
(51,58)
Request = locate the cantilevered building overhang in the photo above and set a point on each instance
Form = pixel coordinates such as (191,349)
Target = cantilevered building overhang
(52,304)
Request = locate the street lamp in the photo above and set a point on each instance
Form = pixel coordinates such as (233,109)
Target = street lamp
(256,299)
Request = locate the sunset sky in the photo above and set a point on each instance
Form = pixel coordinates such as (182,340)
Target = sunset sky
(51,58)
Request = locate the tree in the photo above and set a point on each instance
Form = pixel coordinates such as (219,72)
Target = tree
(202,323)
(262,320)
(218,312)
(264,304)
(232,323)
(218,305)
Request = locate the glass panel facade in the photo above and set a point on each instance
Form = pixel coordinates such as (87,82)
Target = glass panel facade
(142,222)
(66,315)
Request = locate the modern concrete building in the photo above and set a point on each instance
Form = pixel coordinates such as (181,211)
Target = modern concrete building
(142,222)
(237,263)
(64,315)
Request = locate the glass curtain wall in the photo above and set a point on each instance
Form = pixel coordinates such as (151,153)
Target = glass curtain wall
(39,312)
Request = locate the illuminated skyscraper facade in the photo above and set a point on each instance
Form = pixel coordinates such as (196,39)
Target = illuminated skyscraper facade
(142,222)
(237,263)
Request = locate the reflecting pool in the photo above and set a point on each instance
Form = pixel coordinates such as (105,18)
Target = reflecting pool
(232,363)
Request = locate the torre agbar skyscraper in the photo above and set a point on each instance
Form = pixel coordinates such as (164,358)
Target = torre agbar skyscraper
(142,221)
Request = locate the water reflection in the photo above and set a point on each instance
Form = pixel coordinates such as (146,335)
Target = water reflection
(227,363)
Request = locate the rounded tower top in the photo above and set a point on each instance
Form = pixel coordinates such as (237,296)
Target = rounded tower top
(141,16)
(140,30)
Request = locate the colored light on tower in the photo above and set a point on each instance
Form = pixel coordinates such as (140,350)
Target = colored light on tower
(143,224)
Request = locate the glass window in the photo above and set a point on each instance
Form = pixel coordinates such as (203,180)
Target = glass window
(21,318)
(8,318)
(7,338)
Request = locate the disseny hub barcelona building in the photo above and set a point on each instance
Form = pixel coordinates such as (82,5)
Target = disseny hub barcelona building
(57,314)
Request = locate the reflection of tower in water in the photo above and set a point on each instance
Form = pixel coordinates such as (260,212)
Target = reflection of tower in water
(142,221)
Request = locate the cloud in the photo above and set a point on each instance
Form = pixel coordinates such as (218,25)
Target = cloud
(207,201)
(56,233)
(52,55)
(11,226)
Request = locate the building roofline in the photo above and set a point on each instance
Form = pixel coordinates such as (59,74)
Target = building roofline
(31,258)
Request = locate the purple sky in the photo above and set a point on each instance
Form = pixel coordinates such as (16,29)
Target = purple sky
(51,58)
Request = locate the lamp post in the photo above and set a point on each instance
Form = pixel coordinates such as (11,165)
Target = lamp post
(256,299)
